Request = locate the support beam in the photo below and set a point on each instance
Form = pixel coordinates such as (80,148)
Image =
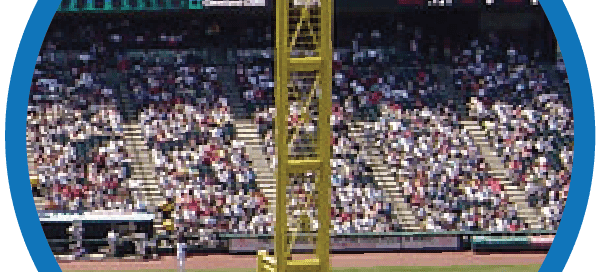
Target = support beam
(285,65)
(281,104)
(301,166)
(325,104)
(305,64)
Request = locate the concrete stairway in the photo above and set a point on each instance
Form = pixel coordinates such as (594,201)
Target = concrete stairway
(40,203)
(516,195)
(143,184)
(142,164)
(247,132)
(455,99)
(384,176)
(233,92)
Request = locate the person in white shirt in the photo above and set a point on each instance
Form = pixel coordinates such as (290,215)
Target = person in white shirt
(181,249)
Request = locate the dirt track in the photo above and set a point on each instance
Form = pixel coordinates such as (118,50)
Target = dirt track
(215,261)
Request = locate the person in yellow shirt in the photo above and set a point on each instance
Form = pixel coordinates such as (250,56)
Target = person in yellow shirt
(35,182)
(167,210)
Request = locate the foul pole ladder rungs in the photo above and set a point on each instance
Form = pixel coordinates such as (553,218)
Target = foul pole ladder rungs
(306,64)
(309,265)
(302,166)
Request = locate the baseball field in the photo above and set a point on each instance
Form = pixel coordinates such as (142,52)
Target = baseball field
(472,268)
(370,262)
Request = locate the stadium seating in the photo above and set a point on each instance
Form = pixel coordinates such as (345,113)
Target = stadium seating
(75,147)
(168,139)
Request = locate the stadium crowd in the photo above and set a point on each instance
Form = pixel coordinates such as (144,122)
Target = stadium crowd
(535,142)
(527,117)
(494,78)
(79,161)
(77,156)
(442,173)
(203,169)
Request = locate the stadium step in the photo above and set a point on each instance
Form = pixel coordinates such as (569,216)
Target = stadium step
(249,141)
(375,157)
(247,131)
(40,202)
(479,134)
(143,173)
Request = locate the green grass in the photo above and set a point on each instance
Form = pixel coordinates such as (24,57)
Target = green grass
(466,268)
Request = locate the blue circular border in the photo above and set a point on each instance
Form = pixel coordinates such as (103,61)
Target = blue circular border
(585,135)
(16,155)
(15,129)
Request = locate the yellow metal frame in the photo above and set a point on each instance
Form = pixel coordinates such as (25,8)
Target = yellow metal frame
(285,65)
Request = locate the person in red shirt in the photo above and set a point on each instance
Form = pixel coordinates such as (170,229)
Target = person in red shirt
(337,66)
(494,184)
(513,227)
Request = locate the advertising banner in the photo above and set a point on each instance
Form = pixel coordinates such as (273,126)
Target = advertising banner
(234,3)
(357,243)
